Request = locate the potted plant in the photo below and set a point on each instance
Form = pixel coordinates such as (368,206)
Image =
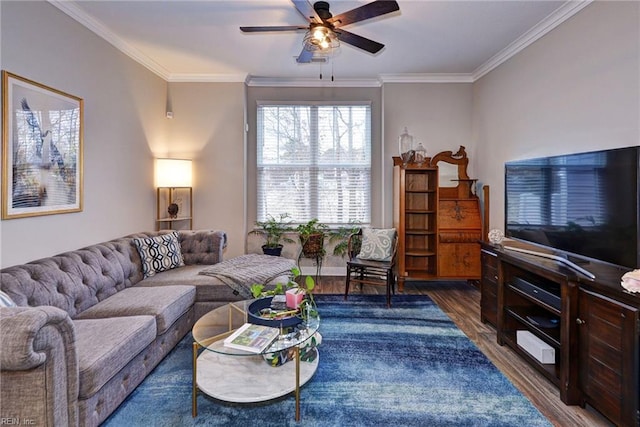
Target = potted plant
(312,238)
(306,306)
(341,236)
(274,230)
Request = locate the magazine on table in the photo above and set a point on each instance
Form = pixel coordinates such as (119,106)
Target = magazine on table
(252,338)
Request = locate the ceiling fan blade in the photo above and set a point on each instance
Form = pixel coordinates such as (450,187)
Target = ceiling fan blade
(367,11)
(305,57)
(358,41)
(306,9)
(273,28)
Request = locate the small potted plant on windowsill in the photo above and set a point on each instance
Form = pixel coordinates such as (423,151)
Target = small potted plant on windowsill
(341,237)
(312,236)
(274,230)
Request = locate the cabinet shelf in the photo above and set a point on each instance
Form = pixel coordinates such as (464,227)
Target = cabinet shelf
(181,196)
(427,190)
(536,301)
(419,252)
(420,232)
(550,371)
(182,218)
(550,335)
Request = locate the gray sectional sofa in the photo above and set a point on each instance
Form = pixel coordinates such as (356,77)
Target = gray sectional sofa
(87,328)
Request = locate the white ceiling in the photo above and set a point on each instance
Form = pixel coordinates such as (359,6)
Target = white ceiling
(424,41)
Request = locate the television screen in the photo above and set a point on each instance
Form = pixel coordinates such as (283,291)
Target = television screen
(583,204)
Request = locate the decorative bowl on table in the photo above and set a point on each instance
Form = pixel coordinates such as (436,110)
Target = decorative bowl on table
(253,315)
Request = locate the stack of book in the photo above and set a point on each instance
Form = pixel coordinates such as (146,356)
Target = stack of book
(252,338)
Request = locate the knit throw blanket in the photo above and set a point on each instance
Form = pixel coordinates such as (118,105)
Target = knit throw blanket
(241,272)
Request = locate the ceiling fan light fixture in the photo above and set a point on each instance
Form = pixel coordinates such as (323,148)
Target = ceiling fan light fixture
(320,38)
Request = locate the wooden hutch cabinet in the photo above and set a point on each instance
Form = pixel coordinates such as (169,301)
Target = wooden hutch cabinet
(439,227)
(416,219)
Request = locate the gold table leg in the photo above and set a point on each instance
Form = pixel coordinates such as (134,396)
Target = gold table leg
(297,352)
(194,390)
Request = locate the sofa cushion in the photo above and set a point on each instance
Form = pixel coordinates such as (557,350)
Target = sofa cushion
(159,253)
(166,303)
(105,346)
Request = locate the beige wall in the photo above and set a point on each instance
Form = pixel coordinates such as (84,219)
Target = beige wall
(208,127)
(576,89)
(436,114)
(123,117)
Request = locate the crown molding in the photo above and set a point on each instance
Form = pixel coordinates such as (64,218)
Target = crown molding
(309,82)
(207,78)
(104,32)
(426,78)
(557,17)
(564,12)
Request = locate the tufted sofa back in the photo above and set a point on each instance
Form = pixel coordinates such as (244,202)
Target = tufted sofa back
(76,280)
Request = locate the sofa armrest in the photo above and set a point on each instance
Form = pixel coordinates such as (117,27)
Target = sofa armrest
(202,246)
(38,365)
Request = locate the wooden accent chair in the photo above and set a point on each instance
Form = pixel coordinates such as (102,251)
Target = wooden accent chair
(368,271)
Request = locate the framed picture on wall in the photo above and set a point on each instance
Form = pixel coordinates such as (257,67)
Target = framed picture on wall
(41,149)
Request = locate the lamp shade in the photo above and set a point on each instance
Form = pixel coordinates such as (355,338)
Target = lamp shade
(173,173)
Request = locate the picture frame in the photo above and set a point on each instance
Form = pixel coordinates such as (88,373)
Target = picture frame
(42,149)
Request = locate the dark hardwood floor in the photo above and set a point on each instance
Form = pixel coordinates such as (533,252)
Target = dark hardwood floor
(461,302)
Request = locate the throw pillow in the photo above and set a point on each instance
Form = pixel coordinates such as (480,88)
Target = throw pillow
(159,253)
(6,301)
(377,244)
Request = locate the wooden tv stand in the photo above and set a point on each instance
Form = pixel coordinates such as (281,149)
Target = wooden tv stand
(592,324)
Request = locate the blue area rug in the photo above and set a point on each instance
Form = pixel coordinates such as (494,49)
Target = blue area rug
(405,366)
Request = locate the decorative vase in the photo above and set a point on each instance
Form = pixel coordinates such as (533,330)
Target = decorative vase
(420,154)
(405,145)
(173,210)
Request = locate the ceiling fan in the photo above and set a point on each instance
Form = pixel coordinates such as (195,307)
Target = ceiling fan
(325,30)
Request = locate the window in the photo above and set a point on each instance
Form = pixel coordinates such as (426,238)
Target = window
(314,161)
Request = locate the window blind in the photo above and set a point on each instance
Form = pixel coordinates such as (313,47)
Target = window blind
(314,161)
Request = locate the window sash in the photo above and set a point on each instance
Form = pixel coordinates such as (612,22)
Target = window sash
(314,161)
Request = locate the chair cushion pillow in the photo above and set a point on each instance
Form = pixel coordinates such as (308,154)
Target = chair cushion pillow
(159,253)
(377,244)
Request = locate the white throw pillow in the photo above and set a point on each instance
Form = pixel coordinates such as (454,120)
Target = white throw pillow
(377,244)
(159,253)
(6,301)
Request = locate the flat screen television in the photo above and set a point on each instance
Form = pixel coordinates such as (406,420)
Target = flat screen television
(584,204)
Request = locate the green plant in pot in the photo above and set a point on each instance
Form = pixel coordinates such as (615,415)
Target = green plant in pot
(312,236)
(274,230)
(307,313)
(308,305)
(341,237)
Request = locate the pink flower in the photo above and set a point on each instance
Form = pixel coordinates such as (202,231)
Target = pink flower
(631,281)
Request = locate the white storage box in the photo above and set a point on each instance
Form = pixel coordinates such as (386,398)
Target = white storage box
(537,348)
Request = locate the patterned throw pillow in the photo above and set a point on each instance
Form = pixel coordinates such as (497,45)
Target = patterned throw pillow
(377,244)
(6,301)
(159,253)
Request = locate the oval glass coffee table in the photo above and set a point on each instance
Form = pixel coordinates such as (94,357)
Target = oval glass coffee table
(239,376)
